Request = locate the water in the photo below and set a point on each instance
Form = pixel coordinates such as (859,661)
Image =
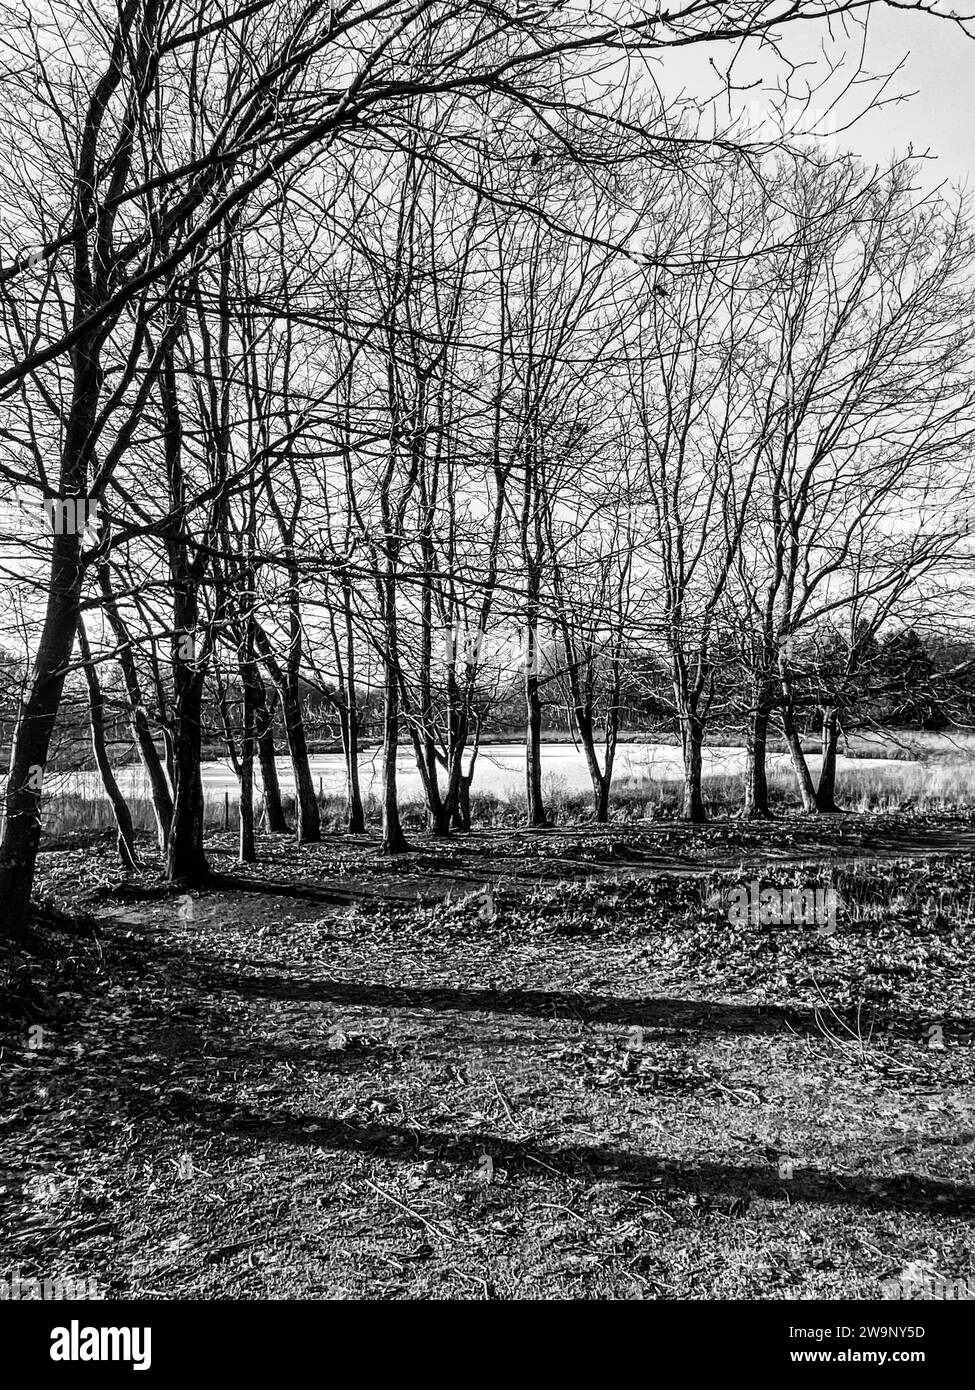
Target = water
(499,769)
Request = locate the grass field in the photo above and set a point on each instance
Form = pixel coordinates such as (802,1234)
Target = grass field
(913,771)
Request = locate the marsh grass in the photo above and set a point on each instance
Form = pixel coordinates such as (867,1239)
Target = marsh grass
(938,773)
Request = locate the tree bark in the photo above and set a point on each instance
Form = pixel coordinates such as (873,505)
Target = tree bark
(462,810)
(309,827)
(599,779)
(185,856)
(356,820)
(692,741)
(162,800)
(756,750)
(394,841)
(90,289)
(807,792)
(826,790)
(277,822)
(38,712)
(125,841)
(247,852)
(309,816)
(533,735)
(186,860)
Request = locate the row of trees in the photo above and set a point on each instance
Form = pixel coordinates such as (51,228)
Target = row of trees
(899,683)
(375,351)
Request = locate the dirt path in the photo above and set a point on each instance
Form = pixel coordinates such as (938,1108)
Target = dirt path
(338,1091)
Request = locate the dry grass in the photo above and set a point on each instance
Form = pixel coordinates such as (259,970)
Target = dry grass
(938,773)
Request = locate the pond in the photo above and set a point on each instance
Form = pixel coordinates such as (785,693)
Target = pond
(500,769)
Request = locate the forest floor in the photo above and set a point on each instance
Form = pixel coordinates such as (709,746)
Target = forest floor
(510,1065)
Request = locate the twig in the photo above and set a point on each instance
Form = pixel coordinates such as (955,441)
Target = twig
(502,1100)
(444,1235)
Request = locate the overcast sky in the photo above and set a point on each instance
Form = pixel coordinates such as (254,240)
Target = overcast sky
(936,79)
(941,69)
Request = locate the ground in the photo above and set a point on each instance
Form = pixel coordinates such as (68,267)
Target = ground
(511,1065)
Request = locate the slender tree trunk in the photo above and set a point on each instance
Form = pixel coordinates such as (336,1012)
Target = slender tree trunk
(692,742)
(185,856)
(533,734)
(356,823)
(440,818)
(394,841)
(32,738)
(90,287)
(438,811)
(599,780)
(826,790)
(581,714)
(186,860)
(309,816)
(125,842)
(277,822)
(246,849)
(807,792)
(162,800)
(610,741)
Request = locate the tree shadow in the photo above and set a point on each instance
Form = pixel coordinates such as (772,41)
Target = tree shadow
(146,1091)
(653,1012)
(602,1162)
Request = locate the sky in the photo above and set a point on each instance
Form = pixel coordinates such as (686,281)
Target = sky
(940,68)
(931,64)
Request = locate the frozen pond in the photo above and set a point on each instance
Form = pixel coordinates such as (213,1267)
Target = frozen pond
(500,769)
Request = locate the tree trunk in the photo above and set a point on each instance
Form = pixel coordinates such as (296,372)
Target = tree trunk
(38,712)
(440,818)
(28,759)
(125,842)
(826,790)
(533,735)
(600,793)
(162,800)
(462,810)
(246,850)
(807,792)
(356,822)
(692,741)
(309,816)
(600,779)
(277,822)
(186,860)
(394,841)
(756,749)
